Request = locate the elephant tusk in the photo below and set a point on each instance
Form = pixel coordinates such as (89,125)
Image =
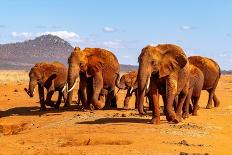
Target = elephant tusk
(131,90)
(148,83)
(64,87)
(33,92)
(73,86)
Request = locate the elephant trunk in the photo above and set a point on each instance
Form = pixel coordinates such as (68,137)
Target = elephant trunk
(31,89)
(120,84)
(143,84)
(97,86)
(73,74)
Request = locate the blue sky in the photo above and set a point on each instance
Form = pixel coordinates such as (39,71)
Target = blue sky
(200,27)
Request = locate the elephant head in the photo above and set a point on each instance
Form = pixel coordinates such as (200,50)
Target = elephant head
(127,81)
(160,61)
(76,60)
(92,66)
(42,74)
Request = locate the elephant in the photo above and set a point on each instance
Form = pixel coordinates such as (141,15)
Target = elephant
(165,70)
(128,82)
(99,68)
(212,73)
(53,77)
(196,81)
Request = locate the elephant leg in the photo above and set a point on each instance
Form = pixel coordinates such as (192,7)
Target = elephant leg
(48,100)
(84,97)
(83,93)
(175,104)
(41,97)
(182,97)
(87,94)
(113,101)
(127,99)
(78,97)
(136,99)
(165,104)
(110,100)
(64,95)
(216,101)
(150,102)
(59,100)
(211,94)
(156,107)
(69,99)
(186,104)
(195,105)
(171,88)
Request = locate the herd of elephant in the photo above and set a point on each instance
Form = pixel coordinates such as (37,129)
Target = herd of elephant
(164,70)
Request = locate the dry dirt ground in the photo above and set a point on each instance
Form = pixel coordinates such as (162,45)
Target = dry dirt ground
(24,129)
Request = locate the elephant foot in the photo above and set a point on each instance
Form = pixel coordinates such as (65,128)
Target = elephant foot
(217,104)
(67,104)
(190,108)
(209,106)
(57,106)
(106,107)
(82,108)
(194,114)
(50,103)
(177,119)
(171,116)
(185,115)
(155,120)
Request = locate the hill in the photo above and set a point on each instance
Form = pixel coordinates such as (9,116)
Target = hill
(22,55)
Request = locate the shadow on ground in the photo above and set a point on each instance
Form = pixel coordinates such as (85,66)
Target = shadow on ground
(35,110)
(117,120)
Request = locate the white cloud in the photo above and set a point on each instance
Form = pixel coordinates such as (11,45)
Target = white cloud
(62,34)
(109,29)
(116,44)
(188,27)
(22,35)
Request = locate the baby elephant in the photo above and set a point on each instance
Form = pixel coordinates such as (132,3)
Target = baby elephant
(51,76)
(196,81)
(128,82)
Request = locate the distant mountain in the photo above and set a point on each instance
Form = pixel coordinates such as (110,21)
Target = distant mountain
(126,68)
(22,55)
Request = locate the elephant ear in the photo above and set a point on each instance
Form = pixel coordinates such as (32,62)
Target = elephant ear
(51,73)
(173,59)
(94,65)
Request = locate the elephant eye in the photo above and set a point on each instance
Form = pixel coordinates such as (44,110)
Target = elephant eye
(153,62)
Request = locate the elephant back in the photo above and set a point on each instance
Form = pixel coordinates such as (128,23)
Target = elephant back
(110,60)
(209,68)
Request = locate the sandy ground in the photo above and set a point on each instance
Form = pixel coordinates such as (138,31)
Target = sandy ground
(24,129)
